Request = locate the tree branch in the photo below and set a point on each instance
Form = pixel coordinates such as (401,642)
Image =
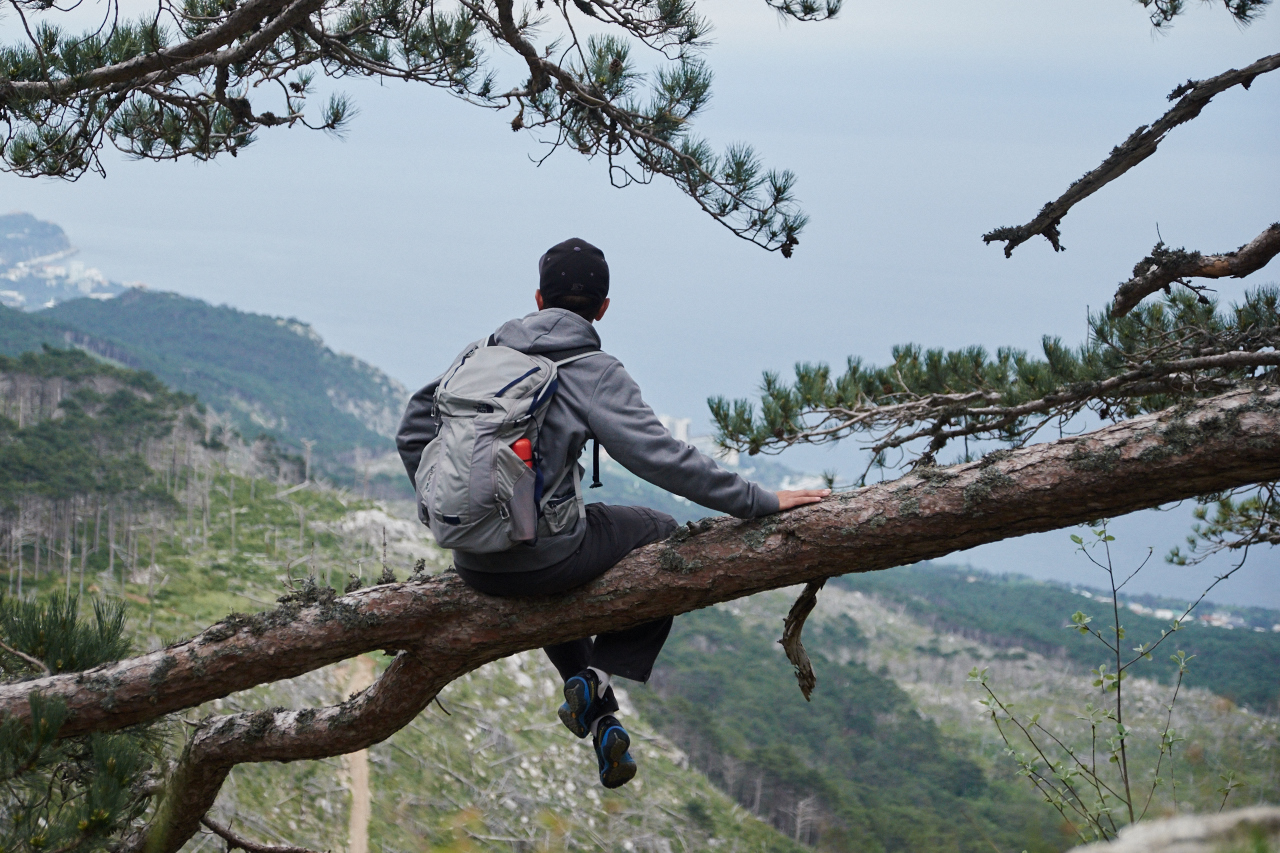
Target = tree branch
(1165,266)
(791,643)
(235,842)
(34,661)
(1200,447)
(1192,96)
(221,742)
(194,53)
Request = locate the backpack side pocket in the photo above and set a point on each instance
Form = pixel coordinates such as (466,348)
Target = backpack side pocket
(513,485)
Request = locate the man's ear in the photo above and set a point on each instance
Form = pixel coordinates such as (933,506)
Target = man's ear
(537,297)
(604,306)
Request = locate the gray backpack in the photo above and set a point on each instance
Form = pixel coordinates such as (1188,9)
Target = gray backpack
(474,491)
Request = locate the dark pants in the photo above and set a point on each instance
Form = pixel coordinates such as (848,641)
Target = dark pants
(612,533)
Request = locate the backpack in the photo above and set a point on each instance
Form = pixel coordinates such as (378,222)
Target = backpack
(474,491)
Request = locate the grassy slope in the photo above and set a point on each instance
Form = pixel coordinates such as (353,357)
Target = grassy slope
(1243,666)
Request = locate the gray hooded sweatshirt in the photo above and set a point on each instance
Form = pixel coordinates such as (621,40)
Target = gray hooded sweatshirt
(597,399)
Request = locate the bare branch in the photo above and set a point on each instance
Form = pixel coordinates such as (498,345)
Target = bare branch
(791,643)
(1164,267)
(236,842)
(1192,96)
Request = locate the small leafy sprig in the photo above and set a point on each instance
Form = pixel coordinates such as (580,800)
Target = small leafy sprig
(1096,791)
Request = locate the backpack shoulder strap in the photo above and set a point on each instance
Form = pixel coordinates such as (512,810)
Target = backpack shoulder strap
(565,356)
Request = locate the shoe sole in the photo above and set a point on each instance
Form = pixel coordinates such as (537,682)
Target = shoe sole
(577,701)
(619,766)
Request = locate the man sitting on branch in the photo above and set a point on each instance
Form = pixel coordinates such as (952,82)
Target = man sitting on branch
(492,446)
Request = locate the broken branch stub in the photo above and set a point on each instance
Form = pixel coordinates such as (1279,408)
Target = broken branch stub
(791,643)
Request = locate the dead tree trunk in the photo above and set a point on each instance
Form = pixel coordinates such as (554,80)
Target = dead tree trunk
(442,629)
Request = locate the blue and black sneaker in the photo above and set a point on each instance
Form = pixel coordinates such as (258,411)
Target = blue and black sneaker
(581,702)
(617,767)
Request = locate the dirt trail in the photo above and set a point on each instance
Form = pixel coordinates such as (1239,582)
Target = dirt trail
(361,676)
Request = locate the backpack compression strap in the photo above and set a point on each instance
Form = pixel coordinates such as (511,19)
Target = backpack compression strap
(574,355)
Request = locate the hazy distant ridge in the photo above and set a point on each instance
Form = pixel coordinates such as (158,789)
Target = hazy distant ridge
(35,270)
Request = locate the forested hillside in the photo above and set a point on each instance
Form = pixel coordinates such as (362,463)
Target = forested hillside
(1242,665)
(857,768)
(267,375)
(894,752)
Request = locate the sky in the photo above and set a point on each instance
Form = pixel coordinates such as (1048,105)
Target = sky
(913,129)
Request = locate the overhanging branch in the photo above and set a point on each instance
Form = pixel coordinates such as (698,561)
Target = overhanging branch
(1193,96)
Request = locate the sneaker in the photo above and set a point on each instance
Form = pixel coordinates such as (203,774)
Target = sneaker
(617,767)
(581,698)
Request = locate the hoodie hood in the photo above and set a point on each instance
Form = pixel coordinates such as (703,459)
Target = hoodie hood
(551,330)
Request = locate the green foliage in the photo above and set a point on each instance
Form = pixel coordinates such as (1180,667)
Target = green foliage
(1096,799)
(64,95)
(1018,611)
(73,794)
(94,445)
(1240,520)
(884,778)
(51,631)
(947,394)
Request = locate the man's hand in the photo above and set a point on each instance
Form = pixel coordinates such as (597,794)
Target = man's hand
(800,497)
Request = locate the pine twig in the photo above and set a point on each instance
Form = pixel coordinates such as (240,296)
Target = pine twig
(36,662)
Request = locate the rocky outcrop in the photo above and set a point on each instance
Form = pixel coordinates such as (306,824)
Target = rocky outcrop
(1251,830)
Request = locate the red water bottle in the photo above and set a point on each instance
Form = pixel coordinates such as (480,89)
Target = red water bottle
(524,449)
(523,507)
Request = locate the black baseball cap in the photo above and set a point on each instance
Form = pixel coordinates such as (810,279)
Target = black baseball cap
(573,268)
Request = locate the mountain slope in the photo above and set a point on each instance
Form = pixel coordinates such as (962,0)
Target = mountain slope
(272,374)
(1240,665)
(22,332)
(266,375)
(857,768)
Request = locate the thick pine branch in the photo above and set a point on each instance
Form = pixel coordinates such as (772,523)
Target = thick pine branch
(1164,266)
(1193,96)
(1200,447)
